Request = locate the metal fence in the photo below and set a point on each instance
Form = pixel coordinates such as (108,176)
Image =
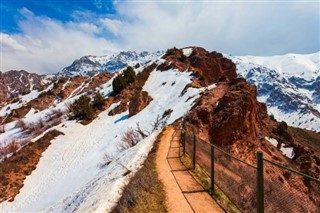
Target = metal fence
(263,187)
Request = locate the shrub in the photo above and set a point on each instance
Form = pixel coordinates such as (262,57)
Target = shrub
(98,100)
(129,75)
(171,51)
(183,58)
(82,108)
(137,66)
(118,84)
(130,138)
(217,54)
(282,130)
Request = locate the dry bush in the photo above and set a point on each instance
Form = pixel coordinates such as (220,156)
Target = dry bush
(10,148)
(145,191)
(142,133)
(106,161)
(130,138)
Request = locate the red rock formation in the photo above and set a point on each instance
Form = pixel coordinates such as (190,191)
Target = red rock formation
(208,67)
(138,102)
(228,113)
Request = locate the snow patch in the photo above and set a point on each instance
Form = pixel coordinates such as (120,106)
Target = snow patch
(187,51)
(286,151)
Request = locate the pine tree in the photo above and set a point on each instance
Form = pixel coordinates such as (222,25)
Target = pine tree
(118,84)
(98,100)
(129,75)
(82,108)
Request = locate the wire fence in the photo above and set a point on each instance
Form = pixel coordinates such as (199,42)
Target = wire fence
(264,187)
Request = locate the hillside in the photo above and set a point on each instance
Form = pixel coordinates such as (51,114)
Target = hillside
(87,165)
(14,83)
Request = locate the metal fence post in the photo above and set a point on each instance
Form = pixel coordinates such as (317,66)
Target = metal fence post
(184,143)
(260,190)
(194,152)
(212,168)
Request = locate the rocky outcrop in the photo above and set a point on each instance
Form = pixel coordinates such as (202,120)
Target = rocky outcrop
(228,113)
(139,102)
(238,115)
(208,67)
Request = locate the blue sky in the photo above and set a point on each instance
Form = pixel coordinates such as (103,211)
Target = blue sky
(45,36)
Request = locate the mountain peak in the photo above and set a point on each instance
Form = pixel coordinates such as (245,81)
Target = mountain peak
(113,62)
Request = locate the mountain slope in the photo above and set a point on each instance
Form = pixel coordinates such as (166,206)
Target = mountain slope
(90,65)
(86,168)
(288,84)
(14,83)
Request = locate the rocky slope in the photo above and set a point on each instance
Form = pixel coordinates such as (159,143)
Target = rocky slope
(90,65)
(288,84)
(14,83)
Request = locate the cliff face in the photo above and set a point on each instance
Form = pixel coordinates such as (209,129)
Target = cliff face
(237,115)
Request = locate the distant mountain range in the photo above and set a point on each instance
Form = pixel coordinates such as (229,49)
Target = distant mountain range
(288,84)
(89,65)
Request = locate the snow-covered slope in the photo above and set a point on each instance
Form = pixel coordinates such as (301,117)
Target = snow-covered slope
(70,176)
(89,65)
(288,84)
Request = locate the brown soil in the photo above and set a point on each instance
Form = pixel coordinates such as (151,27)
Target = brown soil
(15,169)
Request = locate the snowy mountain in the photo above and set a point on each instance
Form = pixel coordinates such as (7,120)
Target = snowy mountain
(87,165)
(90,65)
(14,83)
(288,84)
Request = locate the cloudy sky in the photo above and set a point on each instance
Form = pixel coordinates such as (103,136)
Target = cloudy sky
(45,36)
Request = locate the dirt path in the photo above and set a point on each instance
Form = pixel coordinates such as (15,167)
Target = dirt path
(183,192)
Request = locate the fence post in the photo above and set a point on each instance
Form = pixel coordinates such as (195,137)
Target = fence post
(194,152)
(212,167)
(184,143)
(260,189)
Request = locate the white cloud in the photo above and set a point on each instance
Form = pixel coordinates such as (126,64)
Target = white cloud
(257,28)
(112,25)
(239,28)
(46,45)
(10,44)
